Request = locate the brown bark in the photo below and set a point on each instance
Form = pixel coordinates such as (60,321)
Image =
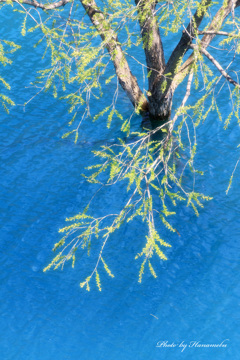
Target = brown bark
(110,39)
(151,39)
(162,91)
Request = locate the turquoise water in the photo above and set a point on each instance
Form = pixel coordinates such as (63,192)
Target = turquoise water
(46,315)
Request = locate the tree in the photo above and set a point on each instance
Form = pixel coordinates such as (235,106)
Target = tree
(83,43)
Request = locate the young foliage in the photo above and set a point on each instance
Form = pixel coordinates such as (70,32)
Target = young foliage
(88,53)
(6,48)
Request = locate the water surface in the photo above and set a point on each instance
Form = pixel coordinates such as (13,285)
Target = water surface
(46,315)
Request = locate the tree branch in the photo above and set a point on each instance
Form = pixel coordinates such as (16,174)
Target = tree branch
(222,33)
(36,4)
(187,37)
(159,96)
(188,92)
(151,39)
(216,63)
(110,40)
(214,27)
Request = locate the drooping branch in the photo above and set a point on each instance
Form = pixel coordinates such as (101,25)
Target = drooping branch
(127,80)
(187,37)
(214,27)
(218,20)
(218,66)
(151,39)
(188,92)
(36,4)
(221,33)
(161,95)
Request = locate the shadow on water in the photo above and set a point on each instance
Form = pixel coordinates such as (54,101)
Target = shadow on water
(151,124)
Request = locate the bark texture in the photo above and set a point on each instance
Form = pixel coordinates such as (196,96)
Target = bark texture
(127,80)
(162,90)
(152,42)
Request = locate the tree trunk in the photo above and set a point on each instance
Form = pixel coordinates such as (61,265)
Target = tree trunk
(152,121)
(161,90)
(160,109)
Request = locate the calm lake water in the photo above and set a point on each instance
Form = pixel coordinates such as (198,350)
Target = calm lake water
(46,315)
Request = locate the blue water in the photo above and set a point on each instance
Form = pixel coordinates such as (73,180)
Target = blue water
(46,315)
